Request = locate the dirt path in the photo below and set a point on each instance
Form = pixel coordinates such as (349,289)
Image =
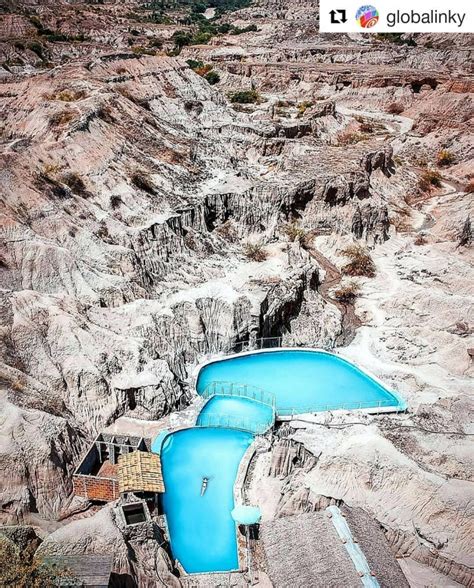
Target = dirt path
(350,321)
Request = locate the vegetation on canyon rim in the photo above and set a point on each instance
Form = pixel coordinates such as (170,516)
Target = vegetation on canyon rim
(22,570)
(360,263)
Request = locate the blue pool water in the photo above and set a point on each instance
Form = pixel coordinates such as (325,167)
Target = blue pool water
(202,531)
(302,381)
(236,413)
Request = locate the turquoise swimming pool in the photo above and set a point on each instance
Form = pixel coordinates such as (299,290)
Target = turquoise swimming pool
(243,393)
(302,381)
(201,528)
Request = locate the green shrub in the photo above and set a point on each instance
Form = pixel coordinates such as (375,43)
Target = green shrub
(239,31)
(36,47)
(245,97)
(212,77)
(201,38)
(303,107)
(20,569)
(115,201)
(195,64)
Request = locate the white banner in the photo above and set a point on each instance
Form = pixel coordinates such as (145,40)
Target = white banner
(396,16)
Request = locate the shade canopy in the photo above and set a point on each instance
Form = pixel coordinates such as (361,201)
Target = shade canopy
(246,515)
(140,471)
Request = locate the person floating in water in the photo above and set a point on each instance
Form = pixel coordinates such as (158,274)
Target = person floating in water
(204,485)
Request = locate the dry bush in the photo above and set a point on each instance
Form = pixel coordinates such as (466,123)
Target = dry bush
(428,180)
(303,107)
(360,263)
(202,70)
(294,232)
(420,239)
(104,112)
(141,50)
(444,158)
(347,292)
(469,187)
(255,252)
(142,181)
(74,181)
(67,95)
(51,169)
(395,108)
(125,92)
(115,201)
(401,223)
(228,231)
(61,118)
(366,127)
(348,137)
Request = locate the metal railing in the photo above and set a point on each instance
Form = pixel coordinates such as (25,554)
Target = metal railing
(217,343)
(235,389)
(261,343)
(341,406)
(232,422)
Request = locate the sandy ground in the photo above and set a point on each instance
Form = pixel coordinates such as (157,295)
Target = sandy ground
(421,576)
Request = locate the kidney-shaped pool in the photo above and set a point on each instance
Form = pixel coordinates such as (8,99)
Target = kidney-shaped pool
(302,381)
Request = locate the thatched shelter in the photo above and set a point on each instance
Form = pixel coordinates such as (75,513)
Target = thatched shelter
(370,536)
(140,472)
(83,570)
(305,550)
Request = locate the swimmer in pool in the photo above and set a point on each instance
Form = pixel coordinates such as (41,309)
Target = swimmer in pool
(204,485)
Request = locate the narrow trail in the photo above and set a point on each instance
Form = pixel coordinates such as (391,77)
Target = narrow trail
(350,321)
